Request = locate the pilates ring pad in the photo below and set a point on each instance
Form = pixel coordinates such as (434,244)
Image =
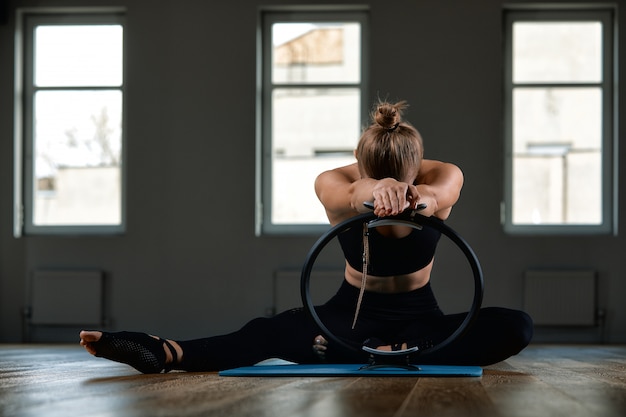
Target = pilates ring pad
(407,218)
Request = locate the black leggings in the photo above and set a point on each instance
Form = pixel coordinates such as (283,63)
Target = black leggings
(413,317)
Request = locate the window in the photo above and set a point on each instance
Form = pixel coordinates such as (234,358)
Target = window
(71,95)
(311,111)
(560,112)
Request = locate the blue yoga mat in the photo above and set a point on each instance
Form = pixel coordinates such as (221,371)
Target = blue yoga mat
(352,370)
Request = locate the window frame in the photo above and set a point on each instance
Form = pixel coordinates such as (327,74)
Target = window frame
(27,20)
(608,84)
(265,87)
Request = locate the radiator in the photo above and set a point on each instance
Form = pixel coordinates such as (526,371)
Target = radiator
(67,297)
(323,285)
(560,297)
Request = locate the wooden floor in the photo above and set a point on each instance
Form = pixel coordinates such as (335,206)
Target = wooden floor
(543,381)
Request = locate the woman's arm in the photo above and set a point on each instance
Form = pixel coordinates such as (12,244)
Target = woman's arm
(342,191)
(439,186)
(336,188)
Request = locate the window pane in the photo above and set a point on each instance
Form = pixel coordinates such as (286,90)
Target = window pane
(557,166)
(316,53)
(78,55)
(557,52)
(571,116)
(77,158)
(313,130)
(555,189)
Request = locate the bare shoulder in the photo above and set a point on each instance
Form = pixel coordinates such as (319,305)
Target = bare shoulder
(432,171)
(333,190)
(345,175)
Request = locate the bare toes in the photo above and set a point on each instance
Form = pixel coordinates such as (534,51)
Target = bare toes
(90,335)
(319,346)
(320,342)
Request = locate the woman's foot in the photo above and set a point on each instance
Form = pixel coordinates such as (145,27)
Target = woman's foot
(146,353)
(319,346)
(377,344)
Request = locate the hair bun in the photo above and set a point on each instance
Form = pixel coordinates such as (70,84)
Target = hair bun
(388,115)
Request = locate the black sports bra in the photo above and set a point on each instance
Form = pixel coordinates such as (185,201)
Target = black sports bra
(390,256)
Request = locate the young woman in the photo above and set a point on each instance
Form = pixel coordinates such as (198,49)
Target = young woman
(385,300)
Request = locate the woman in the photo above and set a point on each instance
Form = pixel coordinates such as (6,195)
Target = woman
(389,306)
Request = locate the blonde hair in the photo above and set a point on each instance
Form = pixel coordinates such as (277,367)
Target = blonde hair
(389,147)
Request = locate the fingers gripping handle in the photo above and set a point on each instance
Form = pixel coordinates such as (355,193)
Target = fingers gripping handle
(408,221)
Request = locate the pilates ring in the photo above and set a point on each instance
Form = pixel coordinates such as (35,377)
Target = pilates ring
(409,218)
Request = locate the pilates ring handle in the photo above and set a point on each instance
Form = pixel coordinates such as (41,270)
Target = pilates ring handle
(409,218)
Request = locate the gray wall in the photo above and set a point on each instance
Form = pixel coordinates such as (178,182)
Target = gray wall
(190,264)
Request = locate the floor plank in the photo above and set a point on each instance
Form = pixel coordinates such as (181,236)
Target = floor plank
(448,397)
(368,396)
(585,380)
(543,381)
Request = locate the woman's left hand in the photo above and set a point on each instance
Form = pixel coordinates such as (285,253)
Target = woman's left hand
(424,195)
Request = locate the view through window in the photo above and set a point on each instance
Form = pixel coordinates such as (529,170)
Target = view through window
(560,117)
(313,102)
(74,96)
